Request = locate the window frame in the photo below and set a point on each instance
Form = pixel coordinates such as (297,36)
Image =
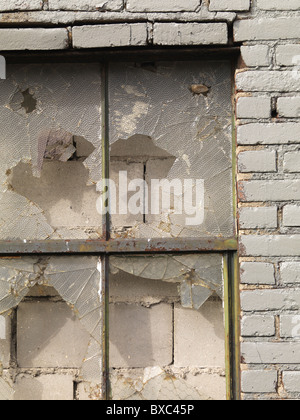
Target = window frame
(107,246)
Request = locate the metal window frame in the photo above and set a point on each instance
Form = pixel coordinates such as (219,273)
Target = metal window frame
(107,246)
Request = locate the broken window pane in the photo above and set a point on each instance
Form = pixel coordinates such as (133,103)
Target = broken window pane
(57,333)
(167,338)
(172,122)
(51,161)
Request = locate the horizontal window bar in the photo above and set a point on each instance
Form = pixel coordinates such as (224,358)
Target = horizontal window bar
(116,246)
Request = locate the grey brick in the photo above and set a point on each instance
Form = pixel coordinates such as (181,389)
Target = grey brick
(49,335)
(278,4)
(257,273)
(270,300)
(276,190)
(269,245)
(253,107)
(86,5)
(289,106)
(291,381)
(267,29)
(291,215)
(256,55)
(254,381)
(258,217)
(10,5)
(271,353)
(258,326)
(257,161)
(112,35)
(291,162)
(229,5)
(44,388)
(290,272)
(290,326)
(267,81)
(190,33)
(33,39)
(282,133)
(162,6)
(139,336)
(288,54)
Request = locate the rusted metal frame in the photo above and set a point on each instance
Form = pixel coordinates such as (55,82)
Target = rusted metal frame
(118,246)
(232,325)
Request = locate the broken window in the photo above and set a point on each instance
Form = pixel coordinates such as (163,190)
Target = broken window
(152,245)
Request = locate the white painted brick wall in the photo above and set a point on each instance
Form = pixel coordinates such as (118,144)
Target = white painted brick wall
(267,29)
(162,6)
(278,4)
(258,326)
(271,353)
(289,107)
(11,5)
(229,5)
(273,133)
(86,5)
(287,55)
(256,55)
(291,381)
(291,215)
(33,39)
(258,217)
(268,81)
(290,272)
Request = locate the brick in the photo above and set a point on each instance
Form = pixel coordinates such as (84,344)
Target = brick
(289,107)
(257,161)
(258,326)
(263,381)
(10,6)
(267,29)
(278,4)
(290,272)
(277,190)
(202,344)
(281,133)
(49,335)
(5,333)
(256,55)
(270,300)
(258,217)
(190,33)
(288,54)
(33,39)
(230,5)
(291,215)
(290,326)
(291,381)
(253,107)
(269,245)
(86,5)
(44,388)
(291,162)
(271,353)
(114,35)
(267,81)
(165,6)
(139,336)
(257,273)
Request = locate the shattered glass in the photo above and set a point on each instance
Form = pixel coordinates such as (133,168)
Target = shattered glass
(184,109)
(43,109)
(78,281)
(198,276)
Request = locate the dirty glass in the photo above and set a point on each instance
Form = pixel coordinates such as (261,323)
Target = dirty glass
(78,281)
(167,338)
(172,122)
(50,163)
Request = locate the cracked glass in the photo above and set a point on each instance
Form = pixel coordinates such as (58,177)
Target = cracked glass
(173,121)
(50,115)
(78,281)
(167,327)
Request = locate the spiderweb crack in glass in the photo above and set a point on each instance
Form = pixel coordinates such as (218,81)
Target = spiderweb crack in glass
(196,129)
(200,276)
(77,281)
(67,104)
